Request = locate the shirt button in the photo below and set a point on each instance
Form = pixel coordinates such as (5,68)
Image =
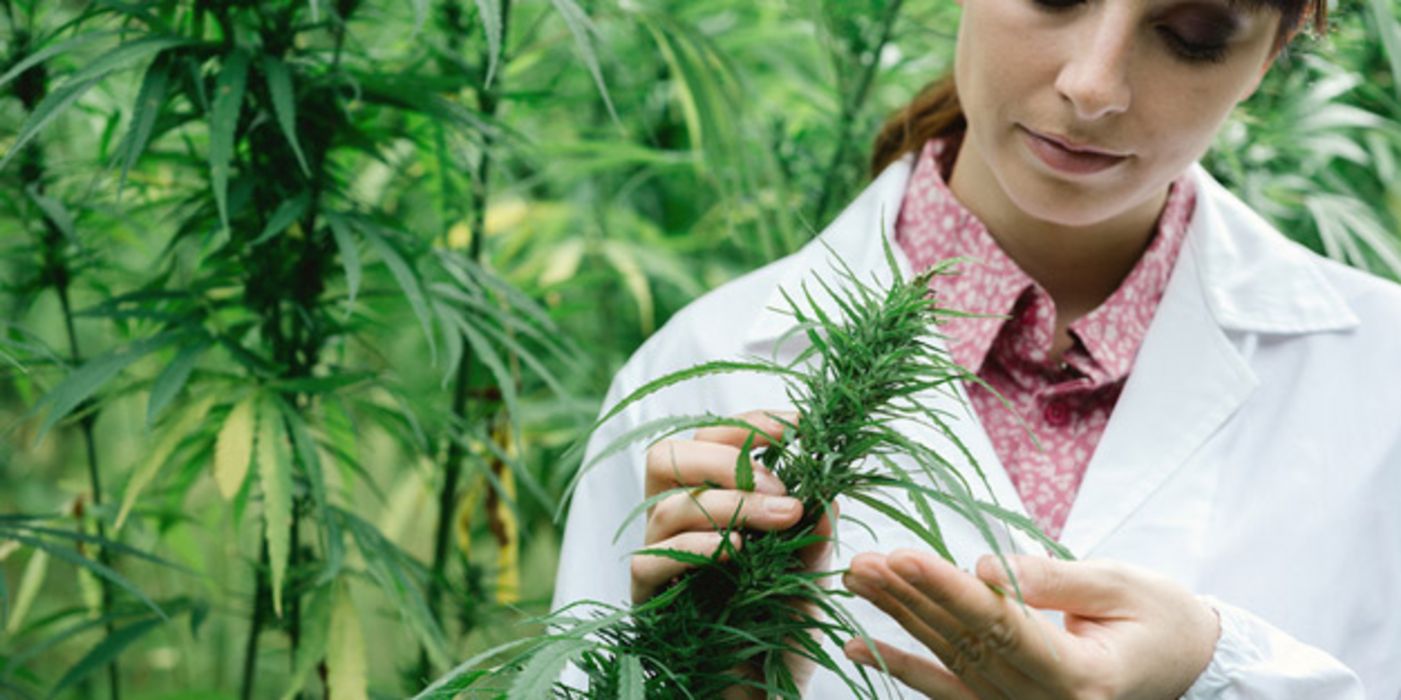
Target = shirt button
(1057,414)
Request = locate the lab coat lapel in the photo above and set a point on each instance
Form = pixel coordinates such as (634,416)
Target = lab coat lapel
(1186,381)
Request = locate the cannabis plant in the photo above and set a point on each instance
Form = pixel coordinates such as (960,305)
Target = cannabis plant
(751,606)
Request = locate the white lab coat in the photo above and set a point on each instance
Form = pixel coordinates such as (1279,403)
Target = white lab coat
(1254,455)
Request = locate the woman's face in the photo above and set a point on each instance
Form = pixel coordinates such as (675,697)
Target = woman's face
(1144,82)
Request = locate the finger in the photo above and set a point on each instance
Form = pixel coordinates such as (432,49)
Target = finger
(963,654)
(990,632)
(672,463)
(650,572)
(918,672)
(770,424)
(1087,588)
(717,508)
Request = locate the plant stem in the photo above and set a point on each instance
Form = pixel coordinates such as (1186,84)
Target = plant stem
(30,88)
(452,462)
(848,116)
(260,598)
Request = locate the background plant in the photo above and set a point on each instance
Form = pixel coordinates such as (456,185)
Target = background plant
(377,297)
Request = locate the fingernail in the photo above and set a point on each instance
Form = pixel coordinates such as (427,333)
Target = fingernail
(781,505)
(907,570)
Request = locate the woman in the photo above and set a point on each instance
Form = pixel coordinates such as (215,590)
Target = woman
(1217,408)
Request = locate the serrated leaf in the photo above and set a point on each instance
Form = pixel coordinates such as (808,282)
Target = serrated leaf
(490,12)
(350,257)
(157,457)
(172,379)
(631,683)
(50,51)
(86,380)
(143,116)
(275,475)
(284,104)
(223,121)
(408,281)
(537,680)
(63,97)
(233,448)
(345,656)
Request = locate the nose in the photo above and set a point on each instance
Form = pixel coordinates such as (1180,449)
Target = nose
(1095,77)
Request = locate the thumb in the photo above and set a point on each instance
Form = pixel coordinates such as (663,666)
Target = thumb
(1090,589)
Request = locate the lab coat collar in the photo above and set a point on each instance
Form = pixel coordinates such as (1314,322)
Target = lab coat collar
(1251,277)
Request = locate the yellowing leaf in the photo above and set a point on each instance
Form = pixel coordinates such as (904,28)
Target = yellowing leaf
(145,473)
(29,584)
(345,654)
(275,474)
(233,449)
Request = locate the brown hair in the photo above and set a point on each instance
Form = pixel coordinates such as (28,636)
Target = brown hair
(935,110)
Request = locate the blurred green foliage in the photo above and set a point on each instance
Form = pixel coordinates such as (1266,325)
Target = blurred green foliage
(320,292)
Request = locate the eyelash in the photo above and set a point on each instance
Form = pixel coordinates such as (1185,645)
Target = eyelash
(1188,51)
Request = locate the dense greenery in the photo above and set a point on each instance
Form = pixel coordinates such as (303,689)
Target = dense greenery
(306,300)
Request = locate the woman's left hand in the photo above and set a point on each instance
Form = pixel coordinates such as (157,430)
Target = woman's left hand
(1129,633)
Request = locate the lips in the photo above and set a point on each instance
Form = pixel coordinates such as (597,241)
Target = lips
(1070,158)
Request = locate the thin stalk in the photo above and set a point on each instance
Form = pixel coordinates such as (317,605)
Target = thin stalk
(30,88)
(849,110)
(488,102)
(261,593)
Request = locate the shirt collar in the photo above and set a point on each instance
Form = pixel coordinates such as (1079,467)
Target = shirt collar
(1252,277)
(933,226)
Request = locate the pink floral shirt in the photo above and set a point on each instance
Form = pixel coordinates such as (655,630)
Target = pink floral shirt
(1065,406)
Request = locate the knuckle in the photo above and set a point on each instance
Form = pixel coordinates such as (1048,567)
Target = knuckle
(968,653)
(998,637)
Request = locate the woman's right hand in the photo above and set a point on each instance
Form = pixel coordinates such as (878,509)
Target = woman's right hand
(682,522)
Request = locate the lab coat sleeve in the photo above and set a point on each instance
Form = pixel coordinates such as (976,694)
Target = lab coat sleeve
(593,565)
(1256,661)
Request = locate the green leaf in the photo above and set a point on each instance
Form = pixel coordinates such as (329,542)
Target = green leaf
(282,217)
(108,649)
(284,104)
(744,465)
(631,683)
(143,116)
(537,680)
(86,380)
(581,28)
(490,13)
(97,568)
(50,51)
(57,214)
(172,379)
(63,97)
(350,257)
(223,122)
(408,281)
(48,109)
(275,475)
(233,448)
